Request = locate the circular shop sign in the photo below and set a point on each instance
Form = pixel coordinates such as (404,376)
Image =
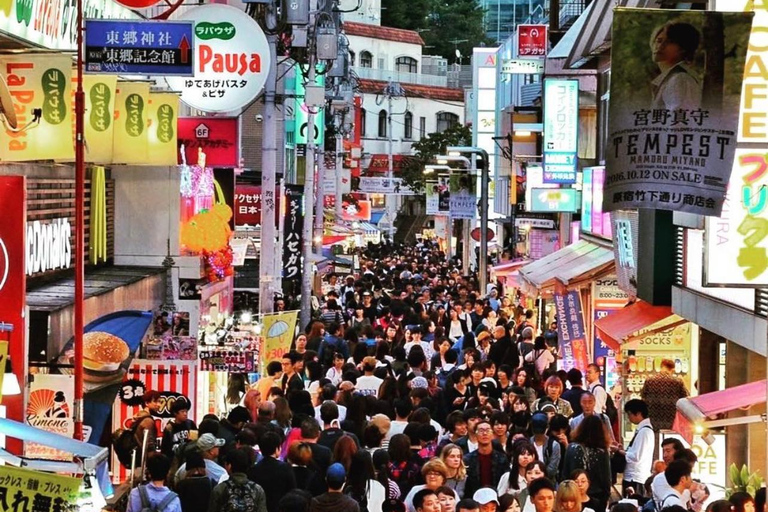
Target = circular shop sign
(231,63)
(137,4)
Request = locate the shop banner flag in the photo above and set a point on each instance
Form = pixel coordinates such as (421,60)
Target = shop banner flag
(99,117)
(433,196)
(25,489)
(278,332)
(161,128)
(50,407)
(376,185)
(444,193)
(570,329)
(463,200)
(131,139)
(674,115)
(292,232)
(39,84)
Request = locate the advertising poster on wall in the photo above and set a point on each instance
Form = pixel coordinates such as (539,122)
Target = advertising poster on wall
(50,407)
(432,193)
(674,113)
(463,200)
(607,298)
(570,329)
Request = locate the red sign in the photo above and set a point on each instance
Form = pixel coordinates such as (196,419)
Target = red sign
(248,205)
(13,285)
(356,210)
(531,40)
(216,136)
(489,234)
(380,163)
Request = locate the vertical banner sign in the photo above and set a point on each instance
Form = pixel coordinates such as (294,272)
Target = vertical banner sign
(484,111)
(673,123)
(50,407)
(531,40)
(161,128)
(561,130)
(607,298)
(292,232)
(735,243)
(433,196)
(625,244)
(571,334)
(99,117)
(131,141)
(302,111)
(586,200)
(38,84)
(278,332)
(13,284)
(463,199)
(444,191)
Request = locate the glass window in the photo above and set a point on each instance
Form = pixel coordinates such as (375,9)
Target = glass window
(445,120)
(366,60)
(422,127)
(382,123)
(362,122)
(408,125)
(406,65)
(351,58)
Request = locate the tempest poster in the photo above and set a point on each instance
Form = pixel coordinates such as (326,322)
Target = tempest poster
(674,108)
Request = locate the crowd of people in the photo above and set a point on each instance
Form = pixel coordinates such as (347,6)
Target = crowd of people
(414,391)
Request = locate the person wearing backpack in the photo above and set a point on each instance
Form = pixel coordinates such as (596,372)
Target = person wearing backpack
(678,477)
(238,493)
(154,496)
(334,500)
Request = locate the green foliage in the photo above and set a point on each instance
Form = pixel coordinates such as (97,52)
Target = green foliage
(439,22)
(426,149)
(743,481)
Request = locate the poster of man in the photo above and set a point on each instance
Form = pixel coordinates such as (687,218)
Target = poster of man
(674,103)
(463,200)
(444,194)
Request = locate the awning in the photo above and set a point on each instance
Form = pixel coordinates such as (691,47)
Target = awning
(369,228)
(635,321)
(582,261)
(376,217)
(508,267)
(697,410)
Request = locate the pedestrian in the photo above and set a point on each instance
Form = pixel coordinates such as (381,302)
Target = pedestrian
(435,475)
(589,451)
(176,431)
(487,499)
(238,493)
(661,393)
(575,392)
(334,500)
(195,488)
(568,498)
(144,422)
(456,476)
(485,465)
(271,474)
(154,495)
(678,476)
(542,494)
(513,482)
(553,387)
(208,445)
(639,453)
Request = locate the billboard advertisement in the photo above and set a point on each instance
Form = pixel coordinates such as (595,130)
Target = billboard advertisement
(673,115)
(531,40)
(561,130)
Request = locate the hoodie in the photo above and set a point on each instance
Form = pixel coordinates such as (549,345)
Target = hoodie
(333,502)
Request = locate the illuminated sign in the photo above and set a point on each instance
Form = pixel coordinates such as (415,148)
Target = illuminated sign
(49,245)
(531,40)
(554,200)
(561,124)
(522,67)
(593,219)
(534,178)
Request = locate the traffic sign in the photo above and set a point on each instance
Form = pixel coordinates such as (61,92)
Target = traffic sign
(131,47)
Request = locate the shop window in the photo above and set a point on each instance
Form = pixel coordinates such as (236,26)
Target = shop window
(406,65)
(422,127)
(408,125)
(382,123)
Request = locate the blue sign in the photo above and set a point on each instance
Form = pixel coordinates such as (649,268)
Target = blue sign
(130,47)
(561,130)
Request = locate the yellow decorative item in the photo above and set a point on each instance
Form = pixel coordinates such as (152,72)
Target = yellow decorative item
(99,117)
(208,230)
(162,132)
(131,139)
(98,234)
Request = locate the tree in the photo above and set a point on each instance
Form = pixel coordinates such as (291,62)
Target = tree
(406,14)
(455,20)
(426,149)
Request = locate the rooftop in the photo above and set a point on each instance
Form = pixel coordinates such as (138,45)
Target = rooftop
(415,91)
(377,32)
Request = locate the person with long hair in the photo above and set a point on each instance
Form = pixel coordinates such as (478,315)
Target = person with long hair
(581,479)
(283,415)
(402,468)
(343,451)
(588,450)
(236,389)
(456,476)
(522,380)
(315,335)
(534,470)
(513,482)
(362,484)
(568,498)
(195,488)
(541,357)
(380,466)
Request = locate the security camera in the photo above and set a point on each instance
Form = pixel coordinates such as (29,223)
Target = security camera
(259,118)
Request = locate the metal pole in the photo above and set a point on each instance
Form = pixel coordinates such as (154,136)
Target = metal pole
(79,227)
(466,253)
(390,171)
(277,267)
(269,251)
(319,201)
(483,256)
(309,191)
(339,166)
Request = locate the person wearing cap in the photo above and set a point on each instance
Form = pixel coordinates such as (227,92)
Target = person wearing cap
(334,500)
(368,384)
(487,498)
(435,474)
(177,430)
(273,475)
(485,466)
(238,484)
(547,447)
(208,445)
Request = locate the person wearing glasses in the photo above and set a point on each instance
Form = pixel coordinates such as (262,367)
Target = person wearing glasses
(485,466)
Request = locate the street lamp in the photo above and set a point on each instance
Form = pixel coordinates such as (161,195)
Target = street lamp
(445,159)
(455,152)
(429,169)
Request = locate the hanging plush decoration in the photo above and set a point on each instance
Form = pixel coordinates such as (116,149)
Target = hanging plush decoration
(218,264)
(208,230)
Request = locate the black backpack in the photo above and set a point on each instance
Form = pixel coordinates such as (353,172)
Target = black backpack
(360,498)
(124,443)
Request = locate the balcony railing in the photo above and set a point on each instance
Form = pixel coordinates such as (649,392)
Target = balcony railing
(397,76)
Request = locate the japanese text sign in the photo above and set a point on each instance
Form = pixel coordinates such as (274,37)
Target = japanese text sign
(393,186)
(161,128)
(522,67)
(531,40)
(278,332)
(139,47)
(218,138)
(99,117)
(131,139)
(561,124)
(292,235)
(231,59)
(554,200)
(24,489)
(570,330)
(672,146)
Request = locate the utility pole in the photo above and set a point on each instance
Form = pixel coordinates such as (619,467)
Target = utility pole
(309,191)
(320,201)
(339,162)
(392,90)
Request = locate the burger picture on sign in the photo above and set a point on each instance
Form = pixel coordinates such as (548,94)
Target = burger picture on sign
(103,356)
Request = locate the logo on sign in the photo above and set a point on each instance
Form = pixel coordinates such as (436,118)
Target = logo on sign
(202,131)
(48,245)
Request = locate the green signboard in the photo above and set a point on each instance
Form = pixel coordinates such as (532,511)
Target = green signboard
(555,200)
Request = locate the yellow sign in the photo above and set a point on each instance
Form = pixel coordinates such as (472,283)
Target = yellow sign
(99,117)
(3,360)
(35,490)
(131,141)
(39,84)
(278,334)
(163,116)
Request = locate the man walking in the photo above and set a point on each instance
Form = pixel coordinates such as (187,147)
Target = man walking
(334,500)
(273,475)
(237,493)
(639,453)
(485,466)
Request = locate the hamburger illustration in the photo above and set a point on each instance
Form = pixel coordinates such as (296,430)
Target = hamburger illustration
(103,352)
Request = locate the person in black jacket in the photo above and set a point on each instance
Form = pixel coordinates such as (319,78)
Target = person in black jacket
(176,431)
(485,466)
(503,351)
(274,476)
